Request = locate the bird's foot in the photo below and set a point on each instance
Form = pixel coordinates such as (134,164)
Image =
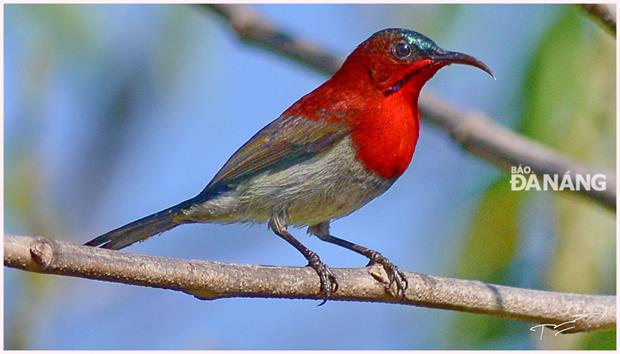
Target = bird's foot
(329,284)
(395,275)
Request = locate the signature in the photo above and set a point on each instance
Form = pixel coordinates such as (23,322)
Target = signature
(556,326)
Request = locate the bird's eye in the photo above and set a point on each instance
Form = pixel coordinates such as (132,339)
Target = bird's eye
(401,50)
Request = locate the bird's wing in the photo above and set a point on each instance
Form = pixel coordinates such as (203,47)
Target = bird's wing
(286,141)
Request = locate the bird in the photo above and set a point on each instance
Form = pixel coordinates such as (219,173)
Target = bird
(330,153)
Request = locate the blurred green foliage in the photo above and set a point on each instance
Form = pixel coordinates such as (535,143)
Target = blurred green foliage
(569,104)
(487,255)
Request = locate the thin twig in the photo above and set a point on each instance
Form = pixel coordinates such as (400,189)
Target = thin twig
(214,280)
(605,13)
(476,132)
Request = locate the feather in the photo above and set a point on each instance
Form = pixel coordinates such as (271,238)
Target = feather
(286,141)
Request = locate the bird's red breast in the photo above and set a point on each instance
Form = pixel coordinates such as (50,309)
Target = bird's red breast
(384,125)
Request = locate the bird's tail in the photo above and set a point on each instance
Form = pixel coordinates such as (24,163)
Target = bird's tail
(142,229)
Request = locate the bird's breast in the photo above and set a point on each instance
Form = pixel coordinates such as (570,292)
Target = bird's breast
(385,138)
(324,188)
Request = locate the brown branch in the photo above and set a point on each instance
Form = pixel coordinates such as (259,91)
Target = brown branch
(605,13)
(474,131)
(214,280)
(252,28)
(502,147)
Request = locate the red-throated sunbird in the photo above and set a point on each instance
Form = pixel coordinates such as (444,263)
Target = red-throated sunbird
(331,152)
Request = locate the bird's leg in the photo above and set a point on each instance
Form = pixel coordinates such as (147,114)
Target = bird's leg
(328,279)
(394,274)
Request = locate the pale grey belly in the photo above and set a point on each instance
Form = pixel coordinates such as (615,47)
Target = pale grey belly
(320,189)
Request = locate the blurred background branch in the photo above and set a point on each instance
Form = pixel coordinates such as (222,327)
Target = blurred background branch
(606,13)
(476,132)
(214,280)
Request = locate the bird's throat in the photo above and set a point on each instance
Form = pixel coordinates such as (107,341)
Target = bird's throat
(414,80)
(400,83)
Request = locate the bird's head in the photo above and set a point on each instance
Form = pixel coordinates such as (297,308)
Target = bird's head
(395,59)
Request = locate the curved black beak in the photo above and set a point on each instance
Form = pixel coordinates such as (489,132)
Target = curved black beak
(441,55)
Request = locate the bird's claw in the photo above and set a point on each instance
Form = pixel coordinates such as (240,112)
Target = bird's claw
(394,274)
(329,284)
